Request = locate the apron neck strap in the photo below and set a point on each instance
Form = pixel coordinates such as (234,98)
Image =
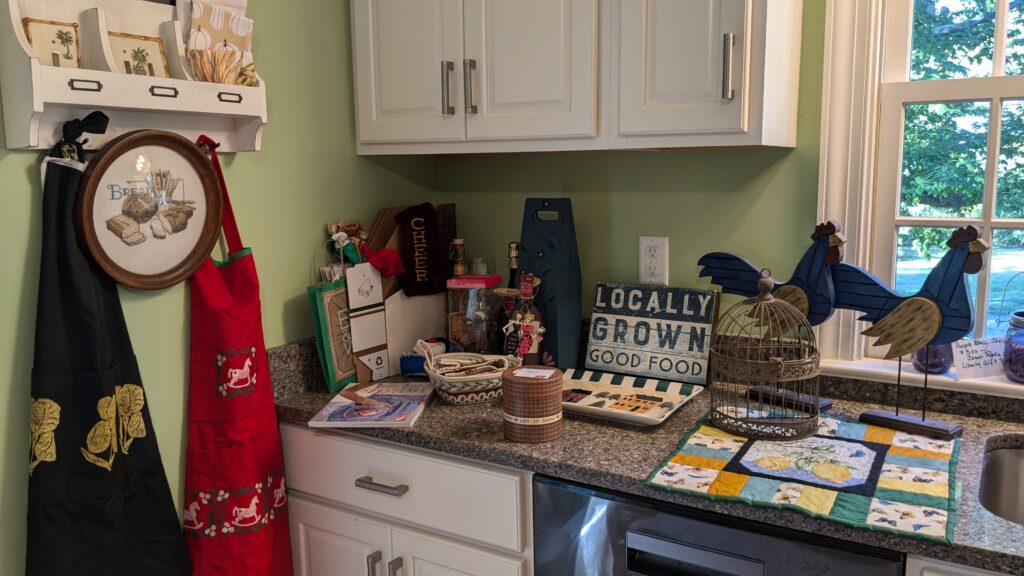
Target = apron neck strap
(69,146)
(231,234)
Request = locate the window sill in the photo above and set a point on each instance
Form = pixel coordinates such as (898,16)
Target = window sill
(886,371)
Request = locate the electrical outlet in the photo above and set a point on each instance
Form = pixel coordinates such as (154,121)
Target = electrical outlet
(653,260)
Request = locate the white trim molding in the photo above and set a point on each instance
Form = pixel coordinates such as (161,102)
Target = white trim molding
(886,371)
(849,123)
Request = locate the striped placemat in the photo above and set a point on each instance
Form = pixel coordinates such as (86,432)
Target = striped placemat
(634,383)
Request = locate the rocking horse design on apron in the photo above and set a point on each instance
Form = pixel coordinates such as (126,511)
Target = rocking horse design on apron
(235,507)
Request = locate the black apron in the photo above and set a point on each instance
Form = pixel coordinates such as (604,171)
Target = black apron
(99,502)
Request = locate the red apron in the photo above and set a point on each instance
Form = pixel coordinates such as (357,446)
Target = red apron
(235,514)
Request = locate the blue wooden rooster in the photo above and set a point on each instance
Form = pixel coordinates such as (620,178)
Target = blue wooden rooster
(940,313)
(810,288)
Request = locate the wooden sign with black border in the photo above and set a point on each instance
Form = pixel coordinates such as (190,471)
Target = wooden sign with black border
(653,332)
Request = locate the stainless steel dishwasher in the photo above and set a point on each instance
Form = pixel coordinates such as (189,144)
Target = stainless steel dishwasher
(580,531)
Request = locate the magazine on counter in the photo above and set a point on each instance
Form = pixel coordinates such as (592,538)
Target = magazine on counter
(380,405)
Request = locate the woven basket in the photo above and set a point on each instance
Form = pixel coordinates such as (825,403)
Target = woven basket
(467,389)
(532,407)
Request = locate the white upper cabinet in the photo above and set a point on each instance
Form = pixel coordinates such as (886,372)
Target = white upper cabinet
(530,68)
(547,75)
(682,66)
(408,55)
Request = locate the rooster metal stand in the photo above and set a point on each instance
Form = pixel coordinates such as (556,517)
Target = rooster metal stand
(940,313)
(809,289)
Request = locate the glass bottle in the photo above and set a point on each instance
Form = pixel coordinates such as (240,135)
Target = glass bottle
(1013,351)
(933,359)
(513,264)
(512,290)
(457,255)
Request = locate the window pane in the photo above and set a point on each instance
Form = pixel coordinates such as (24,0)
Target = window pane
(952,39)
(1015,40)
(1006,260)
(944,148)
(918,250)
(1010,194)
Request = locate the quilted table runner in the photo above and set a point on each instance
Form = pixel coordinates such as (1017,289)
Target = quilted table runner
(851,473)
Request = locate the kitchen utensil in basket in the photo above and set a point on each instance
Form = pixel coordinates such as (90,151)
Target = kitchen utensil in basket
(765,370)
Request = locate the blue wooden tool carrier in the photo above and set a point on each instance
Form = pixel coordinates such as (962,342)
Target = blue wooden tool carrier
(548,250)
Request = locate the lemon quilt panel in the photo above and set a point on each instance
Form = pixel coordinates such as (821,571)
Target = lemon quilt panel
(851,473)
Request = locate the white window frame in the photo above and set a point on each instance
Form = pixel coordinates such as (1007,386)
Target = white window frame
(864,88)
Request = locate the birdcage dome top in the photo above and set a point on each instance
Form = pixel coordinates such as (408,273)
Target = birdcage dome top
(765,326)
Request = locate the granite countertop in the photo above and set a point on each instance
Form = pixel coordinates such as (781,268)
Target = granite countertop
(618,457)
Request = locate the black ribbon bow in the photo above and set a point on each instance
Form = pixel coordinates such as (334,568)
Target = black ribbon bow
(95,123)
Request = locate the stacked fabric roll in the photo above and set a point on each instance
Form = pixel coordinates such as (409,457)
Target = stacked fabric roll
(532,404)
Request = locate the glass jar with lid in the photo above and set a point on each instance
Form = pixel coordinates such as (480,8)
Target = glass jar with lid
(1013,353)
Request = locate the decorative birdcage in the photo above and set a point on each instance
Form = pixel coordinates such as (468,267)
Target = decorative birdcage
(765,369)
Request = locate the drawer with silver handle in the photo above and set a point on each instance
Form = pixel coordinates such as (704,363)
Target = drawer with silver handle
(415,487)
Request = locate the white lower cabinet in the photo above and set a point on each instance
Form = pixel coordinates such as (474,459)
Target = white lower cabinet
(360,506)
(918,566)
(327,541)
(421,555)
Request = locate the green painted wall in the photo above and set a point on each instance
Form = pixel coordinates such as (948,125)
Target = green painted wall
(760,202)
(307,172)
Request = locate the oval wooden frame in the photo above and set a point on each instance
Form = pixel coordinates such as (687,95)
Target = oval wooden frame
(98,167)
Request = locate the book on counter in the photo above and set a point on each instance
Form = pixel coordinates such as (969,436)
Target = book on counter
(378,405)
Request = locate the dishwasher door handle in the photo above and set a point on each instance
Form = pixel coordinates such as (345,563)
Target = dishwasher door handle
(665,557)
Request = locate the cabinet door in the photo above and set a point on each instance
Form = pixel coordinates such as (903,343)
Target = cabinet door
(420,555)
(401,49)
(918,566)
(678,61)
(536,63)
(327,542)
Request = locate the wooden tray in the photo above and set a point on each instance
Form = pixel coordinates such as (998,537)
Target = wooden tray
(630,399)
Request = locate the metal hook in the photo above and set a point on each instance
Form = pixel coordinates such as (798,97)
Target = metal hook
(1002,300)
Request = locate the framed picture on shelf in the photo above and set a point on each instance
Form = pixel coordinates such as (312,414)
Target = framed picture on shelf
(149,209)
(54,43)
(139,55)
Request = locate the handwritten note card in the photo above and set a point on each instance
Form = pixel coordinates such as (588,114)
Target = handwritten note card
(978,358)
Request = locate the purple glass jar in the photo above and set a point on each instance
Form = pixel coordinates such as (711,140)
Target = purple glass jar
(939,359)
(1013,352)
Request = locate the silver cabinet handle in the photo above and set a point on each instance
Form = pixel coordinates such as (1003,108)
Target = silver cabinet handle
(367,483)
(371,562)
(468,65)
(394,566)
(447,66)
(728,44)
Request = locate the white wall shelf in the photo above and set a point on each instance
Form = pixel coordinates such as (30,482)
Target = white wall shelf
(38,99)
